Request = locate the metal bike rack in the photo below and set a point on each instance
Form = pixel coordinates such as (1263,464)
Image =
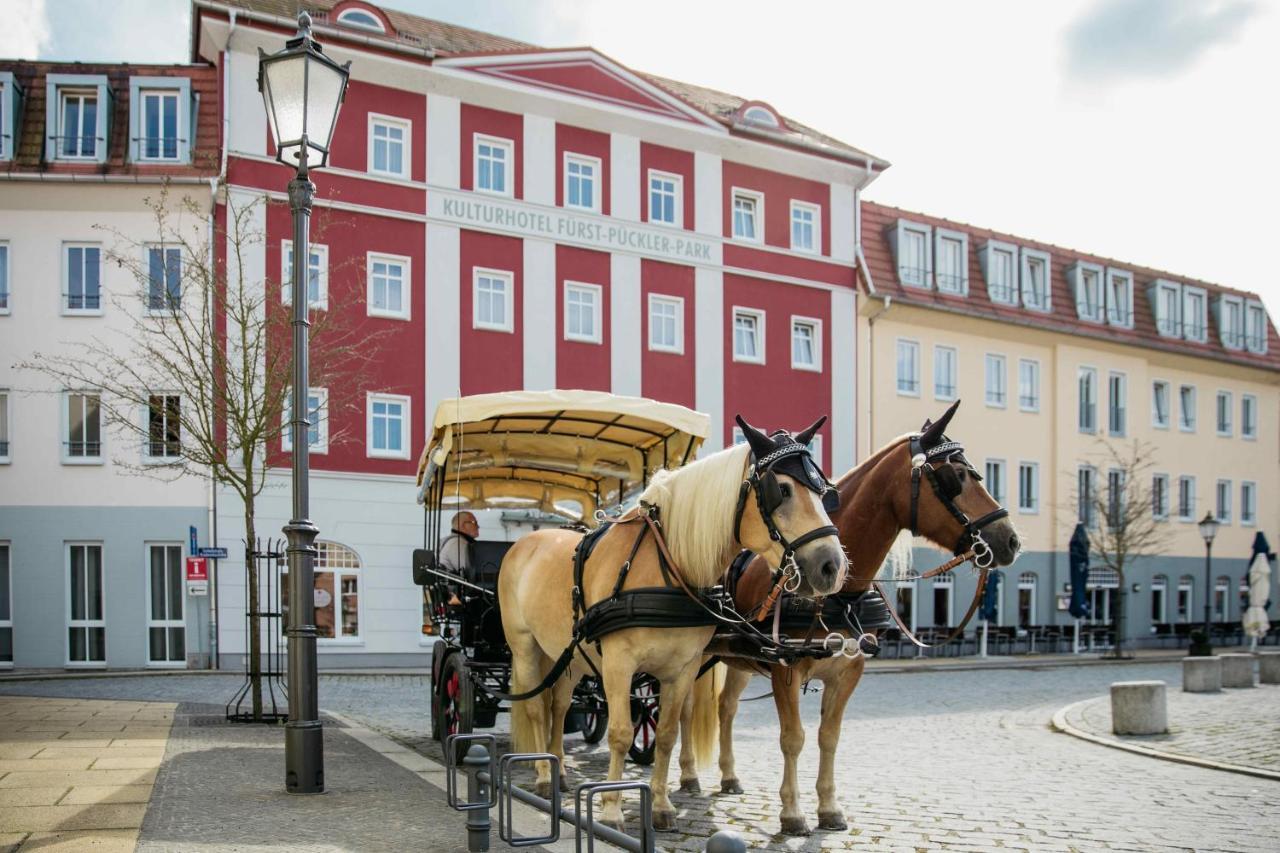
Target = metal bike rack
(590,789)
(472,760)
(506,818)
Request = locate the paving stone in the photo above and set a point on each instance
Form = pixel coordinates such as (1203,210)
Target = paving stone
(97,841)
(86,794)
(31,796)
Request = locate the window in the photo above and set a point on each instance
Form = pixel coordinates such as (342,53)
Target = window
(1028,487)
(912,246)
(1026,599)
(1187,408)
(1119,298)
(388,426)
(1035,280)
(1186,584)
(336,592)
(1086,490)
(943,586)
(995,480)
(1195,325)
(1160,496)
(1223,411)
(492,162)
(747,215)
(10,108)
(1028,385)
(4,269)
(1231,321)
(159,140)
(952,250)
(1000,267)
(995,380)
(1160,404)
(78,124)
(164,279)
(1222,504)
(1159,589)
(806,343)
(1116,509)
(1117,407)
(1248,503)
(388,286)
(360,18)
(1186,498)
(1221,598)
(906,597)
(908,368)
(806,226)
(1087,385)
(317,274)
(581,182)
(82,273)
(83,437)
(761,115)
(4,425)
(166,627)
(493,294)
(944,373)
(6,604)
(317,416)
(160,120)
(582,312)
(1256,327)
(666,323)
(389,146)
(1248,416)
(86,629)
(748,335)
(164,426)
(1086,279)
(666,198)
(1168,305)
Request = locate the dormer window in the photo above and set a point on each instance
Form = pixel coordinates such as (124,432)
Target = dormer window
(10,111)
(77,117)
(1036,266)
(1166,297)
(951,249)
(913,251)
(361,18)
(1000,268)
(1256,327)
(1195,322)
(1086,280)
(161,119)
(761,115)
(1231,321)
(1119,298)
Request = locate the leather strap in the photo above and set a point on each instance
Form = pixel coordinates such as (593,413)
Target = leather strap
(973,605)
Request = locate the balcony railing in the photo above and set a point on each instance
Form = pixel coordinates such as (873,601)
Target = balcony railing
(77,147)
(84,449)
(83,301)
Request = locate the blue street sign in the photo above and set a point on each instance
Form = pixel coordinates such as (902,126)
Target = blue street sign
(213,553)
(192,530)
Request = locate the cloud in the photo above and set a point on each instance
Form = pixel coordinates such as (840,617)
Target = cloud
(25,34)
(1121,39)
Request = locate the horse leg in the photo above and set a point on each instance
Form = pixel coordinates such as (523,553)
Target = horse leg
(529,716)
(735,682)
(672,696)
(688,761)
(835,696)
(786,697)
(617,693)
(561,699)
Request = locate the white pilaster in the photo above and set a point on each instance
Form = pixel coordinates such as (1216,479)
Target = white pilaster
(843,231)
(248,131)
(443,312)
(539,159)
(624,323)
(539,314)
(708,195)
(844,409)
(444,128)
(709,330)
(624,176)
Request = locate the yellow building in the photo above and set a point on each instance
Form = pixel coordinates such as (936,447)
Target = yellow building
(1058,354)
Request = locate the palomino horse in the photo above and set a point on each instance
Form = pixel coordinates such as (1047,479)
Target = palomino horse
(876,505)
(705,517)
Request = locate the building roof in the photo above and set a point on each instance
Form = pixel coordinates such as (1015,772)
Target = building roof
(879,222)
(29,151)
(438,38)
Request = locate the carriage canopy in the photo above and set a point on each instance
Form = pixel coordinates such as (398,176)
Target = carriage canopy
(567,453)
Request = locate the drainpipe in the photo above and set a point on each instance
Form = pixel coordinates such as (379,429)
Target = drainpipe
(871,356)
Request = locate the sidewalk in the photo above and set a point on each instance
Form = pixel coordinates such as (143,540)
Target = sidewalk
(1234,730)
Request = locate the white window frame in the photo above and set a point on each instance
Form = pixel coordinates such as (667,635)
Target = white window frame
(86,624)
(676,302)
(147,457)
(1189,516)
(64,437)
(815,326)
(1026,256)
(140,104)
(1092,372)
(955,372)
(406,146)
(406,285)
(597,181)
(757,200)
(1232,339)
(322,421)
(509,300)
(339,638)
(1187,584)
(187,105)
(1222,508)
(65,298)
(677,205)
(759,316)
(321,251)
(961,287)
(916,379)
(10,103)
(1035,373)
(1249,507)
(1160,583)
(1195,294)
(1034,468)
(406,425)
(1224,429)
(61,86)
(508,172)
(988,260)
(350,17)
(1113,409)
(166,624)
(911,276)
(6,268)
(1076,275)
(1183,425)
(997,485)
(1256,345)
(597,312)
(947,582)
(1086,507)
(1003,399)
(166,310)
(1248,425)
(816,211)
(1122,319)
(1156,423)
(6,425)
(6,624)
(1168,495)
(1167,327)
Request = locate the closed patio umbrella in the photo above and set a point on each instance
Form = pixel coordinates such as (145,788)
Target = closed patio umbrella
(1078,556)
(1255,619)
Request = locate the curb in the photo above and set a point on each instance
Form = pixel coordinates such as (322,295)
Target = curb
(160,673)
(1019,663)
(1060,724)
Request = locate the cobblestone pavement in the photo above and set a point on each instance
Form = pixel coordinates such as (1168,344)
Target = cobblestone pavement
(931,760)
(1234,726)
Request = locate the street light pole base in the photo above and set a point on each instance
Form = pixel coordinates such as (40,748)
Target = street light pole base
(304,749)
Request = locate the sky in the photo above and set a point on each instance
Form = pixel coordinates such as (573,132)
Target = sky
(1141,130)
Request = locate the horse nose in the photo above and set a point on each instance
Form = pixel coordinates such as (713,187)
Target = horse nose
(830,570)
(1014,544)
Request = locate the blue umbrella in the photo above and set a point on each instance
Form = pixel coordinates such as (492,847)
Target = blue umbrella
(990,607)
(1078,555)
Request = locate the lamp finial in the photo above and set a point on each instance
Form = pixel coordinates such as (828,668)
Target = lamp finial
(304,24)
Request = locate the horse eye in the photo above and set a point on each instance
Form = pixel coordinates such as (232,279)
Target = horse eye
(785,489)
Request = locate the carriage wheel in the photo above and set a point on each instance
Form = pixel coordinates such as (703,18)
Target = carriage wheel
(595,722)
(644,718)
(456,697)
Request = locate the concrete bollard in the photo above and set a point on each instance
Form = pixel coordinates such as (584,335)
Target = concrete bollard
(1237,670)
(1201,675)
(726,841)
(1139,708)
(1269,667)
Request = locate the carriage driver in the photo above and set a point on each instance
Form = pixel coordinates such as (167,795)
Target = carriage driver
(455,550)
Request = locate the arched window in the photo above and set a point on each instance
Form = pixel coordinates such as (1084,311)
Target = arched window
(906,600)
(336,591)
(361,18)
(943,587)
(1103,577)
(1159,598)
(761,115)
(1222,599)
(1186,586)
(1027,599)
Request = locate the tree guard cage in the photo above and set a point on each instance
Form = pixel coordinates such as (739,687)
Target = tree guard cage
(269,562)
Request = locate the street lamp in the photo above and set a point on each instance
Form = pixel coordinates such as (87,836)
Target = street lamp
(1208,530)
(302,89)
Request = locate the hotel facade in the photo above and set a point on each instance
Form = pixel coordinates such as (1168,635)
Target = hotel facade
(503,216)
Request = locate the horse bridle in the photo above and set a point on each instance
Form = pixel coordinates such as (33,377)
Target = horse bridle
(923,464)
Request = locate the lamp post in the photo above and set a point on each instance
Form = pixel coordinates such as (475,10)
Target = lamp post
(1208,530)
(302,89)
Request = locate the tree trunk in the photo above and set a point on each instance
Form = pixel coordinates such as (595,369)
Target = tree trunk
(1118,620)
(255,621)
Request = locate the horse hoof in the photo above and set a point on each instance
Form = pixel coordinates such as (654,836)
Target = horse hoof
(690,786)
(794,826)
(564,783)
(832,820)
(664,821)
(543,789)
(730,786)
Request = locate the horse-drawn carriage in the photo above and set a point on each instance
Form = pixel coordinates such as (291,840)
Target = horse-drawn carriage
(565,458)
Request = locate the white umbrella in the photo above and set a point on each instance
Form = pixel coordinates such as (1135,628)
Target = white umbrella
(1255,620)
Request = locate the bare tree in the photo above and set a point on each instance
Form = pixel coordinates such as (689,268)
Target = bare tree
(1119,514)
(204,330)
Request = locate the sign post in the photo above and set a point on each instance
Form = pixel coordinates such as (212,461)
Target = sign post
(197,576)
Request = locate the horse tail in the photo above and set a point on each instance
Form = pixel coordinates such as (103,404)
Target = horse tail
(704,728)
